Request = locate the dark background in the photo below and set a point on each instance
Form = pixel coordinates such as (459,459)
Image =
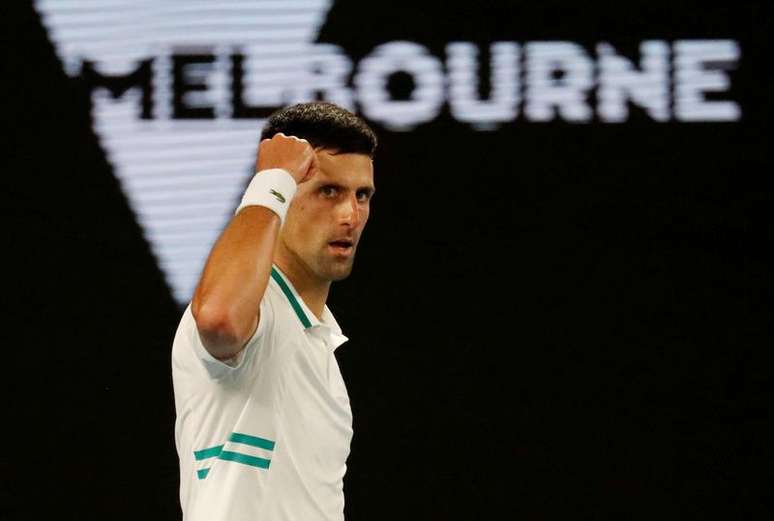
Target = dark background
(547,321)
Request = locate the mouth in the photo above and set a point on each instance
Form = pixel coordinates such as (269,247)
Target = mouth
(342,247)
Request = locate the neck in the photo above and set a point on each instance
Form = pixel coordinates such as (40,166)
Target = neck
(312,289)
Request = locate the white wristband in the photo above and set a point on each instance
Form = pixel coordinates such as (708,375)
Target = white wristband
(273,188)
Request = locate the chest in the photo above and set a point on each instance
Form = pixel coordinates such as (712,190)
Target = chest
(316,413)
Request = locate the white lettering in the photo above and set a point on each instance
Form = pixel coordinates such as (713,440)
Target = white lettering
(461,61)
(619,82)
(559,75)
(427,96)
(693,79)
(326,71)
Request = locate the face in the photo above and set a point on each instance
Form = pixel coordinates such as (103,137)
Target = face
(328,213)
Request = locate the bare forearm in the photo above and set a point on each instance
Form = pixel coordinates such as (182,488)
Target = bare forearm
(226,303)
(227,300)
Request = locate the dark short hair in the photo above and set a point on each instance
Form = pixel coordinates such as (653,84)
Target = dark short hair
(324,125)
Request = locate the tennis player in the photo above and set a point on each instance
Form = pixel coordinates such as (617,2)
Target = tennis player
(264,424)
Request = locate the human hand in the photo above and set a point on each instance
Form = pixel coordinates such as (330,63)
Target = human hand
(292,154)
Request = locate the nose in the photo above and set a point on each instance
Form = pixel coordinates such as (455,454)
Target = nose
(349,211)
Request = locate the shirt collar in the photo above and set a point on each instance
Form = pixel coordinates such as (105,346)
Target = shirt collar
(308,319)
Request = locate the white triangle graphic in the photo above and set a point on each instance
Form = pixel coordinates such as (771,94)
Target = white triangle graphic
(183,178)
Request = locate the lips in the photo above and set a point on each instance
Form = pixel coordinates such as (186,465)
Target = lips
(341,246)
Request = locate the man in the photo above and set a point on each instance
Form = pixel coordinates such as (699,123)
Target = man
(263,419)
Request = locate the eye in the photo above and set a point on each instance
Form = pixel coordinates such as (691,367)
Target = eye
(363,195)
(329,191)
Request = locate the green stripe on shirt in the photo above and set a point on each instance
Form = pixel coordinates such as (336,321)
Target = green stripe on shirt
(237,457)
(253,441)
(208,453)
(292,298)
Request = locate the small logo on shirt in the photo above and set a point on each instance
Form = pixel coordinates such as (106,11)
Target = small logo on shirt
(278,195)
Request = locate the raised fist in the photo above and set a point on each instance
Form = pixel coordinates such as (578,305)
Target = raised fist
(290,153)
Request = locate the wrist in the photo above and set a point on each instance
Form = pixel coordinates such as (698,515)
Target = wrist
(272,188)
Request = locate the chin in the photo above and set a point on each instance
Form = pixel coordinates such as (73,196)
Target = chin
(337,271)
(341,274)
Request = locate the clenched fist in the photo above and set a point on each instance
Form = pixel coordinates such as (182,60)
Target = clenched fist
(290,153)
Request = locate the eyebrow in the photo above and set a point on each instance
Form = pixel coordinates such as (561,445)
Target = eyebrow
(368,188)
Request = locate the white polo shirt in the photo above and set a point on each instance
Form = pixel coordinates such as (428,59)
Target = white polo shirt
(267,437)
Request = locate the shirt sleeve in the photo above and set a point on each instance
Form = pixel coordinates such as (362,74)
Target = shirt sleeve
(219,368)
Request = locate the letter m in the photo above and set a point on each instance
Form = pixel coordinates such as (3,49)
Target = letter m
(118,85)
